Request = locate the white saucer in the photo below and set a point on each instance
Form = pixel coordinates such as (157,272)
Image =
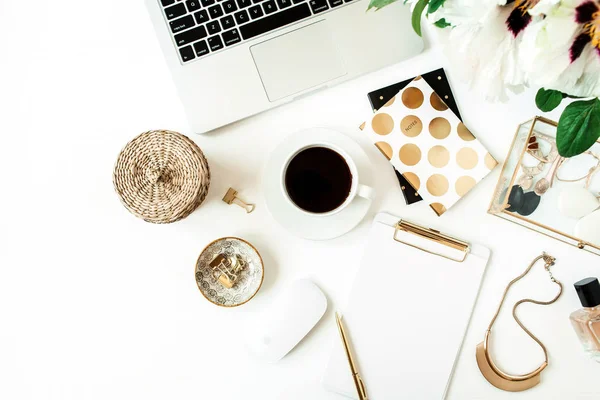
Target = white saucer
(294,220)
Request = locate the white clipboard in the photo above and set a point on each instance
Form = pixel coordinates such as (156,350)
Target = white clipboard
(408,312)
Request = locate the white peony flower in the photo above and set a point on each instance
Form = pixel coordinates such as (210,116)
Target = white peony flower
(582,78)
(562,51)
(500,46)
(485,46)
(545,46)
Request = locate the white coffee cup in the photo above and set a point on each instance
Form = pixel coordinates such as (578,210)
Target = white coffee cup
(356,188)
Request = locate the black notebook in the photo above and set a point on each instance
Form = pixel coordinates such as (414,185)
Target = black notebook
(438,81)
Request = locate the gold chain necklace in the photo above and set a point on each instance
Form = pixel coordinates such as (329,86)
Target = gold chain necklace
(498,378)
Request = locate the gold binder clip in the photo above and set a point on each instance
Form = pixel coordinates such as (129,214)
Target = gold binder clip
(226,270)
(434,236)
(231,197)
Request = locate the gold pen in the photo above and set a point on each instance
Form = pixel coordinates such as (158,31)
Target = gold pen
(358,382)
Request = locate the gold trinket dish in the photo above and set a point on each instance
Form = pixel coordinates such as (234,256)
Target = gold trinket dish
(229,272)
(536,183)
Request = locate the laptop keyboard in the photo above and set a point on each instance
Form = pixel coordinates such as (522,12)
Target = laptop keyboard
(202,27)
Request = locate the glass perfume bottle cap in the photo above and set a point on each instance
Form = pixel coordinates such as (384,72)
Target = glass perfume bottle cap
(588,290)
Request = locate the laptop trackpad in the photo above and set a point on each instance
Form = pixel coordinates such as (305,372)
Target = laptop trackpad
(296,61)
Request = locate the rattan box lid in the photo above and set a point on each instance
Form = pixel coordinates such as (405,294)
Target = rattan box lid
(161,176)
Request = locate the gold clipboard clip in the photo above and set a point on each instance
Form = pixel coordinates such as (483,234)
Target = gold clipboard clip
(434,236)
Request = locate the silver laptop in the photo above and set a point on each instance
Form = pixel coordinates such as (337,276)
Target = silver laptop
(234,58)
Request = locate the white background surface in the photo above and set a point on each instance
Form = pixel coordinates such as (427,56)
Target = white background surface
(96,304)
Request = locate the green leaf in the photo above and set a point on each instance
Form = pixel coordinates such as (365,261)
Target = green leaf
(434,5)
(564,96)
(442,23)
(378,4)
(548,100)
(578,127)
(416,15)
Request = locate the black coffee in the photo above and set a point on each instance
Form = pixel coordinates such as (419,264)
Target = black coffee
(318,180)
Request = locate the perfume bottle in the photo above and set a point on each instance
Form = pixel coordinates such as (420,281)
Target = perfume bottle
(586,321)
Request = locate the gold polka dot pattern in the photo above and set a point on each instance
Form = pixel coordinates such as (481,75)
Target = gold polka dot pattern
(390,102)
(413,179)
(411,125)
(437,185)
(410,154)
(439,208)
(439,128)
(437,103)
(464,133)
(438,156)
(443,165)
(467,158)
(490,161)
(383,124)
(464,184)
(412,97)
(385,149)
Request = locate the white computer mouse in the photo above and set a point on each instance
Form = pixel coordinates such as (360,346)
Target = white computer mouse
(286,321)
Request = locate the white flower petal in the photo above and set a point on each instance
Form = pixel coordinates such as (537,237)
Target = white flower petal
(545,49)
(544,7)
(582,78)
(487,53)
(492,60)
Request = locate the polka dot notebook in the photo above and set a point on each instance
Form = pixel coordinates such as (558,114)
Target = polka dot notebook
(429,145)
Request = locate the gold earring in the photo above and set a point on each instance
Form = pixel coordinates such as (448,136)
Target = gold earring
(489,370)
